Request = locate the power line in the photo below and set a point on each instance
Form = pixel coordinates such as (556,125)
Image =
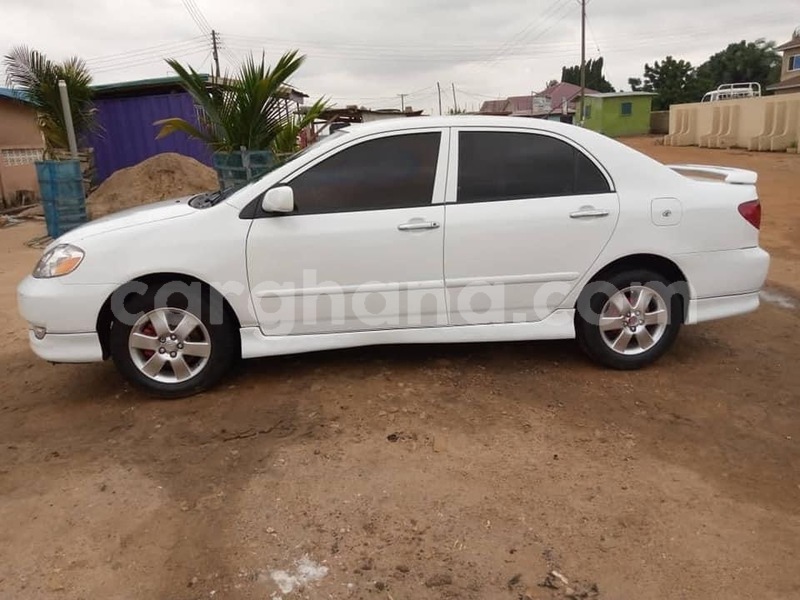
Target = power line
(159,49)
(144,61)
(197,16)
(591,32)
(521,36)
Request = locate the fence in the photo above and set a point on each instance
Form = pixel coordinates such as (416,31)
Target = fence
(770,123)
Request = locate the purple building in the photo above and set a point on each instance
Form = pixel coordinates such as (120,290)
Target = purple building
(126,113)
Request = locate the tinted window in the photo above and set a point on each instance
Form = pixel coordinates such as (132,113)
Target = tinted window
(391,172)
(505,166)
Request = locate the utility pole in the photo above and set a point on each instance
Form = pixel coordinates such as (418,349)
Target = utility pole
(402,102)
(583,59)
(439,88)
(73,145)
(214,52)
(455,102)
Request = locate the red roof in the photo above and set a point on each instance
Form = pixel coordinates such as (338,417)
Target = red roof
(563,92)
(558,94)
(495,106)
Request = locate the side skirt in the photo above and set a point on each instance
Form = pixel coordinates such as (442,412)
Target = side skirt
(558,326)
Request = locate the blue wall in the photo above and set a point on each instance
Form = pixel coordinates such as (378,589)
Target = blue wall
(128,136)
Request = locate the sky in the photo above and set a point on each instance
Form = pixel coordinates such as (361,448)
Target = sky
(368,52)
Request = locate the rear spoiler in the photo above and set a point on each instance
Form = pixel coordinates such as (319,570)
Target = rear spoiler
(729,174)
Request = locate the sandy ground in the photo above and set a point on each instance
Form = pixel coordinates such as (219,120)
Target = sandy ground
(419,473)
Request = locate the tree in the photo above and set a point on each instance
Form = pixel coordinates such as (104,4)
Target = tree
(594,76)
(38,76)
(742,62)
(673,82)
(246,109)
(637,85)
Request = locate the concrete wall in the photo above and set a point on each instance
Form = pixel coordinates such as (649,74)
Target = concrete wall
(766,123)
(18,131)
(605,115)
(659,121)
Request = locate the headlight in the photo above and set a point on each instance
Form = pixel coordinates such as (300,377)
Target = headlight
(61,260)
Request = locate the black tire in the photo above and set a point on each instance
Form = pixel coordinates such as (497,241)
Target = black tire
(218,327)
(595,297)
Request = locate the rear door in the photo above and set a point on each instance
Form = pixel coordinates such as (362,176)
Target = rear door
(527,215)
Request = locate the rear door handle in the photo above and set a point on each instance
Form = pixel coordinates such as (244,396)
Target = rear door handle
(589,212)
(417,225)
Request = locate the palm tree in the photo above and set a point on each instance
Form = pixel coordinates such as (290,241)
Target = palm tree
(245,110)
(34,73)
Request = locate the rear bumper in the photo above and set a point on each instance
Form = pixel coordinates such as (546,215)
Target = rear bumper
(709,309)
(712,275)
(67,347)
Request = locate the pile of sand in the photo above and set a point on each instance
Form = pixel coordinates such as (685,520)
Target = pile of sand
(160,177)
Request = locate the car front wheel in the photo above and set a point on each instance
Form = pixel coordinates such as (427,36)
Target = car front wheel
(173,348)
(629,319)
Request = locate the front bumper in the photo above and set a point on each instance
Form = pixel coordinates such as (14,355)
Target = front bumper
(67,347)
(67,313)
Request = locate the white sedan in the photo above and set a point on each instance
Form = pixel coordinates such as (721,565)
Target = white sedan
(459,229)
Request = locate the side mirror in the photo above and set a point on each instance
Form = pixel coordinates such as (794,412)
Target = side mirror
(278,200)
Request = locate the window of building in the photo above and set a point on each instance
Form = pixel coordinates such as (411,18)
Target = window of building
(626,109)
(16,157)
(794,63)
(389,172)
(587,111)
(508,166)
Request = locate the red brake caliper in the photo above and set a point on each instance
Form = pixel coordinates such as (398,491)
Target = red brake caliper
(148,330)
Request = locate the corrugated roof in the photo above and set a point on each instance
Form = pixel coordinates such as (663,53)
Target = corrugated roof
(563,93)
(140,87)
(18,95)
(140,84)
(495,106)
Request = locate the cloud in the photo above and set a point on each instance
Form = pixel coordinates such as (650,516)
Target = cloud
(368,52)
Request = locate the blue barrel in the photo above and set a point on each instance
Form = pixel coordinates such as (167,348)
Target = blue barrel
(63,199)
(236,168)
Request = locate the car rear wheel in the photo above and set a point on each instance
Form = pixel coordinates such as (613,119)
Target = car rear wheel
(629,319)
(173,348)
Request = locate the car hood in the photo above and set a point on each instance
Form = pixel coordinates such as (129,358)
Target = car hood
(132,217)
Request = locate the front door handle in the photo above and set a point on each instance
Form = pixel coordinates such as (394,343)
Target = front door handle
(417,225)
(589,212)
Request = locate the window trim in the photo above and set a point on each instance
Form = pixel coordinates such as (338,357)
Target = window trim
(253,210)
(795,58)
(622,113)
(452,188)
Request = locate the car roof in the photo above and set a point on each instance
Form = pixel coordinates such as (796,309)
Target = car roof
(405,123)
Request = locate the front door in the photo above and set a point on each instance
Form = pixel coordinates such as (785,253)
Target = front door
(363,249)
(531,213)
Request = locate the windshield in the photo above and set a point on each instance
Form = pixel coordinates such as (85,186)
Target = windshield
(212,198)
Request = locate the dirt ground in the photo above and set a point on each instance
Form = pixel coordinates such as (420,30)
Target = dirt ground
(464,472)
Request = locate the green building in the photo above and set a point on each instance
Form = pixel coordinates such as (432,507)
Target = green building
(618,113)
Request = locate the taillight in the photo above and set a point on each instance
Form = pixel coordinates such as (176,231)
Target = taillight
(751,211)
